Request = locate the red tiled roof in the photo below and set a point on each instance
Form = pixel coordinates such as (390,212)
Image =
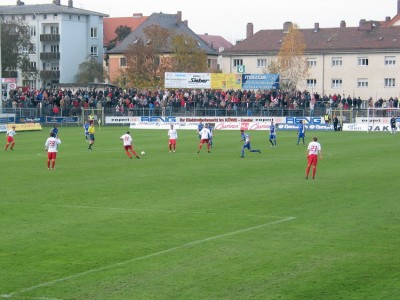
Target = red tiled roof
(323,40)
(215,41)
(111,24)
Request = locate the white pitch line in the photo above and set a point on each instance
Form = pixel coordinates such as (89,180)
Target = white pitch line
(44,284)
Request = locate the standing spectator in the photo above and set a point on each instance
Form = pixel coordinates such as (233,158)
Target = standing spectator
(51,146)
(312,156)
(10,138)
(393,125)
(127,140)
(272,134)
(301,132)
(173,136)
(246,139)
(91,131)
(205,135)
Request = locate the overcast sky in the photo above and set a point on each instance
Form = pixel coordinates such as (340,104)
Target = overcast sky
(229,18)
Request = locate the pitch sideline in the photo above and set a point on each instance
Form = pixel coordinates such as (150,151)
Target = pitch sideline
(44,284)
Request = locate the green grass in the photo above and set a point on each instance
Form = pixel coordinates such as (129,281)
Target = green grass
(207,226)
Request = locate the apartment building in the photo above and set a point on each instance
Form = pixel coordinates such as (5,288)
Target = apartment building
(63,38)
(361,61)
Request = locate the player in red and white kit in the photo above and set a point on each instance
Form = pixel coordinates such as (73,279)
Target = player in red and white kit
(51,146)
(205,136)
(313,149)
(10,138)
(127,140)
(173,136)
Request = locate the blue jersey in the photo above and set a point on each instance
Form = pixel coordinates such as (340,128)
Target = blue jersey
(272,132)
(302,130)
(86,127)
(200,127)
(55,131)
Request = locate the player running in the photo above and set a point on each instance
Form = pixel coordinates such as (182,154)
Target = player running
(10,138)
(246,140)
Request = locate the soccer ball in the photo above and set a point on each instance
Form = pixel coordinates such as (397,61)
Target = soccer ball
(143,153)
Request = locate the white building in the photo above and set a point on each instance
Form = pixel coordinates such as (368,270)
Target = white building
(362,61)
(63,38)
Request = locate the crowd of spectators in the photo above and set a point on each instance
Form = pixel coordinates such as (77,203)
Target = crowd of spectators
(120,101)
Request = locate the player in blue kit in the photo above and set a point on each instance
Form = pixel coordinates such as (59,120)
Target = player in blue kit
(246,140)
(199,128)
(272,134)
(86,128)
(301,132)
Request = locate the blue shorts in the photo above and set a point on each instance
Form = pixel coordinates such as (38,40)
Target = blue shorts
(246,145)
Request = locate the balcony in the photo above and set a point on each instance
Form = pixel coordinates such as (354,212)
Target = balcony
(49,55)
(50,37)
(50,74)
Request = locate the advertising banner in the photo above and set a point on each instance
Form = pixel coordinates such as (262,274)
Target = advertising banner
(260,81)
(220,81)
(188,80)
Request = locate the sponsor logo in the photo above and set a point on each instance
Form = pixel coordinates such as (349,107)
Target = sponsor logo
(305,120)
(158,119)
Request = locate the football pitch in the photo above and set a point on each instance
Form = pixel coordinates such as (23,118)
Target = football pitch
(200,226)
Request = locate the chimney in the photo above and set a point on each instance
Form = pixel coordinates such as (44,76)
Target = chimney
(179,16)
(249,30)
(316,27)
(365,25)
(398,7)
(137,15)
(288,25)
(387,19)
(19,3)
(70,3)
(342,24)
(186,23)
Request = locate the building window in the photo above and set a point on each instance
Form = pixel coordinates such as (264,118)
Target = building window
(54,48)
(93,51)
(390,60)
(362,83)
(45,17)
(209,63)
(336,83)
(311,83)
(25,50)
(390,82)
(237,62)
(93,32)
(261,63)
(34,17)
(311,62)
(337,62)
(32,31)
(54,29)
(122,62)
(362,61)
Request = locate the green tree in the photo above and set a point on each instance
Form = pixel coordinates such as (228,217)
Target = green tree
(15,48)
(187,56)
(291,64)
(90,71)
(122,32)
(146,62)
